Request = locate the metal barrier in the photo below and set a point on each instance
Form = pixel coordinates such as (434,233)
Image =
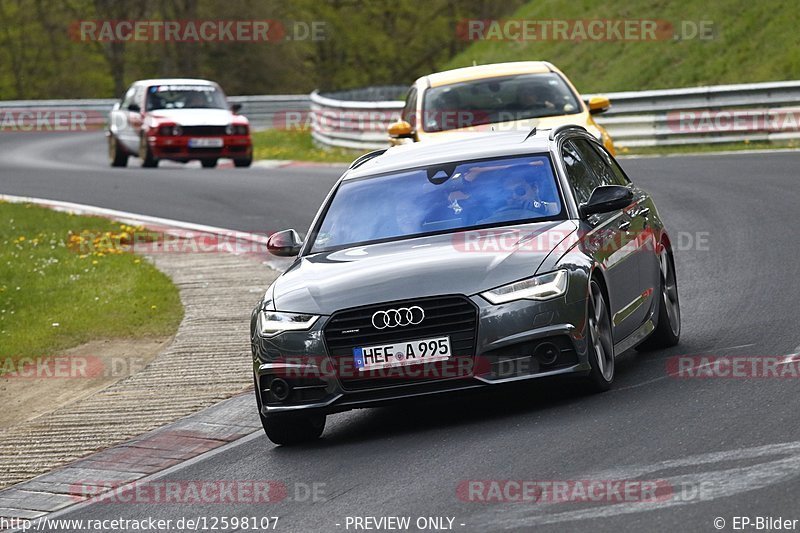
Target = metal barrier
(702,115)
(264,112)
(358,119)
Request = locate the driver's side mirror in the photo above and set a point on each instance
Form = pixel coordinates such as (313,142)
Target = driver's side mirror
(598,104)
(401,130)
(235,108)
(286,243)
(607,198)
(134,108)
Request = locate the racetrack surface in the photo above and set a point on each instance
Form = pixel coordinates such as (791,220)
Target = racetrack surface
(739,438)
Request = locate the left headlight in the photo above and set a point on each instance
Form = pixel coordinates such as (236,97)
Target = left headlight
(271,323)
(544,287)
(236,129)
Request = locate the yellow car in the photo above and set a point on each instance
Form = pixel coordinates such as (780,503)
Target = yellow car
(500,96)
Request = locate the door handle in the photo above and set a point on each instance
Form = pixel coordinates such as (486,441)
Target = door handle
(624,225)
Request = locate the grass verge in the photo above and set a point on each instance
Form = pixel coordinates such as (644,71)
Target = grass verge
(55,293)
(297,145)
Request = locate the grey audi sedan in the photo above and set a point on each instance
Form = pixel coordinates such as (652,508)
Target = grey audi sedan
(443,267)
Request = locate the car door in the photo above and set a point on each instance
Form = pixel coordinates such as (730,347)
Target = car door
(128,121)
(638,239)
(607,240)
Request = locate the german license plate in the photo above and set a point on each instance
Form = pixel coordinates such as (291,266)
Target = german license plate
(206,142)
(402,353)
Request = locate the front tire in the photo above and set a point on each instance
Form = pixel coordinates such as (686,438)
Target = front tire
(208,163)
(148,161)
(668,326)
(601,342)
(116,155)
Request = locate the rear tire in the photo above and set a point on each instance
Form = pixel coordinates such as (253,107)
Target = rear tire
(601,342)
(243,163)
(668,326)
(208,163)
(295,429)
(116,155)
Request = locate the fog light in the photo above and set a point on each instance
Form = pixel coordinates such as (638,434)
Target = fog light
(546,353)
(280,389)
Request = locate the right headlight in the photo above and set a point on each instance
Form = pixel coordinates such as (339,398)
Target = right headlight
(271,323)
(543,287)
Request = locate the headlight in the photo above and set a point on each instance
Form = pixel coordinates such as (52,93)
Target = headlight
(542,287)
(270,323)
(236,129)
(172,129)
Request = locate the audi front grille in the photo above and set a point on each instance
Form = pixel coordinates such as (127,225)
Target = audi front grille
(453,316)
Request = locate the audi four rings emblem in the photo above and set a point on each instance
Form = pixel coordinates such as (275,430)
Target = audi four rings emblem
(392,318)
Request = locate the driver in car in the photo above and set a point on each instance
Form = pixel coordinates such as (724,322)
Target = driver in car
(522,193)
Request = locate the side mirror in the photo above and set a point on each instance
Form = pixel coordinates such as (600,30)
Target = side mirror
(284,243)
(235,108)
(598,104)
(607,198)
(134,108)
(400,129)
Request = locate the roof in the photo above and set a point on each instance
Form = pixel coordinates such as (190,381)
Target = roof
(475,146)
(174,81)
(493,70)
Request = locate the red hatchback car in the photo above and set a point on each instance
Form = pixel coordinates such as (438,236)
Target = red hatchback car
(180,120)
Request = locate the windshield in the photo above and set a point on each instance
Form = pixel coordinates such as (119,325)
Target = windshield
(495,100)
(185,97)
(439,199)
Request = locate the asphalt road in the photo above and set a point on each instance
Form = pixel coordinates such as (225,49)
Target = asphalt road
(724,447)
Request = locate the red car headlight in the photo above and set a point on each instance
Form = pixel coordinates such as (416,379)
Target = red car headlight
(170,129)
(236,129)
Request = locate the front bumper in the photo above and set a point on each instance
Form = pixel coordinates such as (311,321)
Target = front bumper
(505,350)
(177,147)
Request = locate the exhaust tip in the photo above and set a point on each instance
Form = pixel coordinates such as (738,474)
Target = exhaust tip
(546,353)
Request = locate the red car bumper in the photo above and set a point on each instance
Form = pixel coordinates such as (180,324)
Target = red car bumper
(184,147)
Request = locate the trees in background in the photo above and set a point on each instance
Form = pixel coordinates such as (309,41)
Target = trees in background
(363,42)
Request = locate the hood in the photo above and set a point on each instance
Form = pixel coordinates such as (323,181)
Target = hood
(581,119)
(196,117)
(457,263)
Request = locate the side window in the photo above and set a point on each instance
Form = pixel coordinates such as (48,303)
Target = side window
(621,178)
(600,165)
(582,180)
(409,113)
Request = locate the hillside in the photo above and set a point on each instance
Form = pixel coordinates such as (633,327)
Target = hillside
(751,41)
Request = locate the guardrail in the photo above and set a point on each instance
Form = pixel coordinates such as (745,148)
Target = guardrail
(702,115)
(264,112)
(358,119)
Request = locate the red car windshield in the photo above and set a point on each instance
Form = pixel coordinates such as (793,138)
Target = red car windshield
(185,97)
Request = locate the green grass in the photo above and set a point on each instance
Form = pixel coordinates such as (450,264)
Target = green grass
(296,144)
(55,294)
(752,41)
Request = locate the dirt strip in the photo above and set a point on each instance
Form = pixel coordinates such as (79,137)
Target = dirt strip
(208,361)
